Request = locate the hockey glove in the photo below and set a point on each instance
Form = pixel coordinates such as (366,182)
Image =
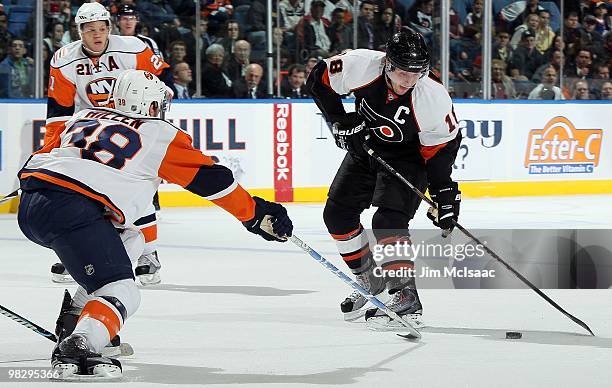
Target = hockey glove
(350,132)
(270,221)
(447,200)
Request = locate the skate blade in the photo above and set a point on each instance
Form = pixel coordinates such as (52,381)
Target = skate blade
(385,323)
(149,279)
(123,350)
(354,316)
(61,279)
(102,372)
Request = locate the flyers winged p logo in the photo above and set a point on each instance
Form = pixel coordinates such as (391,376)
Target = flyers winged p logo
(383,127)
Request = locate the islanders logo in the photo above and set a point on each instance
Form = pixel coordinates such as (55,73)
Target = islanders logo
(561,148)
(99,92)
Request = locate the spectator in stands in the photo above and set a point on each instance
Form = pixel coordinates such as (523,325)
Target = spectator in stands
(294,88)
(606,91)
(592,40)
(215,83)
(310,63)
(190,38)
(316,38)
(531,24)
(331,5)
(515,73)
(572,34)
(72,34)
(231,36)
(236,64)
(547,90)
(556,61)
(501,85)
(365,25)
(502,48)
(291,11)
(601,74)
(249,85)
(532,7)
(581,68)
(581,91)
(421,18)
(473,20)
(340,33)
(544,34)
(602,71)
(385,28)
(600,10)
(526,58)
(17,72)
(558,45)
(456,28)
(55,34)
(177,52)
(5,36)
(182,80)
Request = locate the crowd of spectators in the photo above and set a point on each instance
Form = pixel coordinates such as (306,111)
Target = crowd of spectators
(532,56)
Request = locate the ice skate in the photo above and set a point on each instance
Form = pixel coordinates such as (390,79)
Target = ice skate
(405,303)
(59,274)
(67,320)
(74,360)
(355,305)
(147,270)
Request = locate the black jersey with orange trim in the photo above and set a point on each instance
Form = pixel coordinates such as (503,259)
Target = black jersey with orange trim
(418,126)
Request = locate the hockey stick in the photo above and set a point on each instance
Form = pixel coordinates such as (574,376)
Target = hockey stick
(471,236)
(27,323)
(413,332)
(10,196)
(125,349)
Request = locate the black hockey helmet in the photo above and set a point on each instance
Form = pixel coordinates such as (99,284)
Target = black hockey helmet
(407,51)
(126,10)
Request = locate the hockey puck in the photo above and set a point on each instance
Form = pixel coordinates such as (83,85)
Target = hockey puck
(513,335)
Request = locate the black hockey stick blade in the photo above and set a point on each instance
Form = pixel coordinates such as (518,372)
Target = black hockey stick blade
(27,323)
(470,235)
(10,196)
(524,279)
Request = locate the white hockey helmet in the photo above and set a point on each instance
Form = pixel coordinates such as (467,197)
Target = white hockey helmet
(91,12)
(136,90)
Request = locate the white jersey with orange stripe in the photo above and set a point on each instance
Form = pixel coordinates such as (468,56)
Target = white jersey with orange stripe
(78,81)
(354,69)
(119,160)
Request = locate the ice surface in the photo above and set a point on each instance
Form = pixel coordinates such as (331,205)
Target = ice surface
(234,310)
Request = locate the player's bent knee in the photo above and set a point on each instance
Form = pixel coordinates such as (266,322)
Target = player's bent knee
(339,218)
(389,219)
(125,291)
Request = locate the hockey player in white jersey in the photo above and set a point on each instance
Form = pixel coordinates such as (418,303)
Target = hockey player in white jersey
(81,76)
(407,117)
(84,190)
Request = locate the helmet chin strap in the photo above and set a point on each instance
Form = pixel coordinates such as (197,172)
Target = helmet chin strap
(95,53)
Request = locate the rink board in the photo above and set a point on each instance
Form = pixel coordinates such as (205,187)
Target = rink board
(283,150)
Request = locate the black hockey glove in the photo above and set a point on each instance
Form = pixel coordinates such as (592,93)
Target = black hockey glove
(447,200)
(350,132)
(270,221)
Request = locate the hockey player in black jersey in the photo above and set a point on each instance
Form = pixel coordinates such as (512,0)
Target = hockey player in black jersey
(406,115)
